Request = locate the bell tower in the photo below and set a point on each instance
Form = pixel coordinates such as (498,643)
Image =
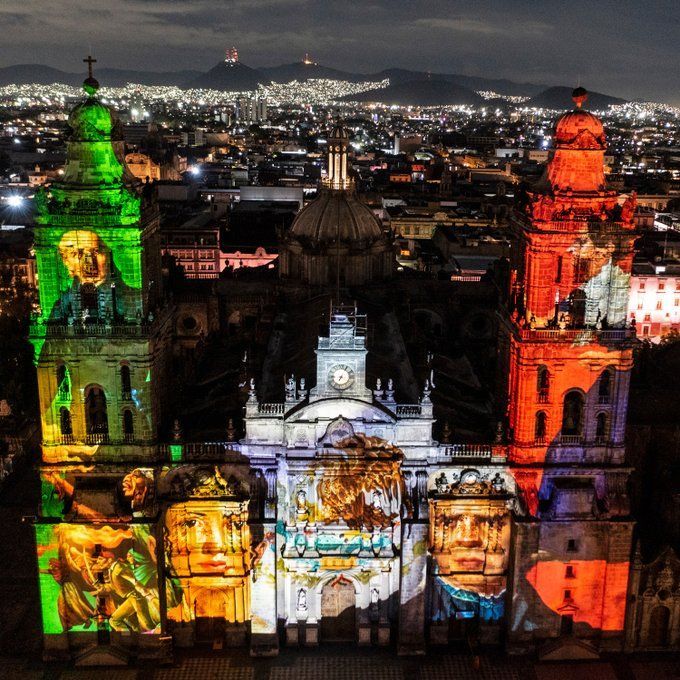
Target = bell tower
(569,353)
(99,335)
(338,141)
(341,358)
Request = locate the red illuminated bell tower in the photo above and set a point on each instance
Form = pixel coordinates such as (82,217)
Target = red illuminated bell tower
(569,359)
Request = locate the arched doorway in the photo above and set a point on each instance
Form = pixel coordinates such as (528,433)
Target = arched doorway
(338,611)
(210,612)
(657,633)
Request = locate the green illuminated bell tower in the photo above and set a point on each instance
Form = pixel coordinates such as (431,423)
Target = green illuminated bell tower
(101,337)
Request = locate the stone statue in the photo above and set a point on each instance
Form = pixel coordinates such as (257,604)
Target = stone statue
(441,483)
(301,504)
(302,600)
(498,483)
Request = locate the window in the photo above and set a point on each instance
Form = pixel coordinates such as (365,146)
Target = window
(662,285)
(96,418)
(642,285)
(128,424)
(540,427)
(89,299)
(572,414)
(601,428)
(125,382)
(581,269)
(659,304)
(558,270)
(604,387)
(569,572)
(65,426)
(572,545)
(63,382)
(543,384)
(567,595)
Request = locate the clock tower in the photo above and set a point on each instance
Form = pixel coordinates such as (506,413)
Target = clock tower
(341,358)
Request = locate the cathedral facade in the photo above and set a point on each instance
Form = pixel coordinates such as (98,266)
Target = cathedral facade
(337,516)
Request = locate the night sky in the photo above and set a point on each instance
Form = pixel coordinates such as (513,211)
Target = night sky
(628,48)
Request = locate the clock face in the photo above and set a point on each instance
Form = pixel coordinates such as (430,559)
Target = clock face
(341,377)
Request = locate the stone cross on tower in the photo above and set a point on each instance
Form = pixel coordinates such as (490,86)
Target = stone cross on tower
(89,61)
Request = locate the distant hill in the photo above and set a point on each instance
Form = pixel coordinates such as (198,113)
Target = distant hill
(111,77)
(500,85)
(560,98)
(421,93)
(36,73)
(303,71)
(229,76)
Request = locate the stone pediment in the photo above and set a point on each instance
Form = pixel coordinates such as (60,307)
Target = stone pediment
(351,410)
(203,481)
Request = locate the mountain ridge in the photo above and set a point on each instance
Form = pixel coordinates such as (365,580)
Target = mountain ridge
(238,76)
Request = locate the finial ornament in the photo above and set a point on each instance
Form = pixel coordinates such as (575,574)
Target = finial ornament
(579,95)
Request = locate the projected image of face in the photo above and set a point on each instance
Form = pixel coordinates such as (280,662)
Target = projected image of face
(81,252)
(205,534)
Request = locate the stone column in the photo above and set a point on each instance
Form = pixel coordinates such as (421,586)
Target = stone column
(412,591)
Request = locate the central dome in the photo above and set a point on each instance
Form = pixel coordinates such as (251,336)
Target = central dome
(336,216)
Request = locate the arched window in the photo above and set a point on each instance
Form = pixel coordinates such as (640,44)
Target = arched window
(65,426)
(540,427)
(125,382)
(128,424)
(604,388)
(63,382)
(89,299)
(96,418)
(543,384)
(572,414)
(601,428)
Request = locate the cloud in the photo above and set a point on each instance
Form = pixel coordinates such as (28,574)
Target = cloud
(472,25)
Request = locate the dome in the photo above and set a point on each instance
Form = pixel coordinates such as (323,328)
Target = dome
(333,214)
(91,121)
(579,129)
(339,131)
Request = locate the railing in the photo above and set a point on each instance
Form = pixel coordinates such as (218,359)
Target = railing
(271,409)
(126,395)
(201,450)
(580,334)
(405,410)
(67,439)
(63,394)
(543,396)
(97,438)
(469,451)
(59,330)
(470,278)
(603,399)
(571,439)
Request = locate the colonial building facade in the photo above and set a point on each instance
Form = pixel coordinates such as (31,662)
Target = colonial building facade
(337,516)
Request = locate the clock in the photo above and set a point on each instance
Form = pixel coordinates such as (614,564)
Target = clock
(341,377)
